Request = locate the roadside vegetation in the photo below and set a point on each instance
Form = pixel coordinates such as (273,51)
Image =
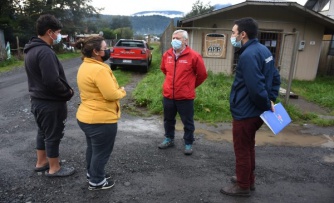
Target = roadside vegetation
(321,92)
(212,102)
(14,61)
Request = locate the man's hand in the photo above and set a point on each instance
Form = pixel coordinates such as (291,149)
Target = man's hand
(272,106)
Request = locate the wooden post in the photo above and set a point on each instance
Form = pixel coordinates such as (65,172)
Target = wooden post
(18,47)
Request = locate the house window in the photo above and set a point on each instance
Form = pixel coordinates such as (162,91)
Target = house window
(331,48)
(272,40)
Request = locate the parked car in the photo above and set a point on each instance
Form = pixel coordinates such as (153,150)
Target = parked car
(129,52)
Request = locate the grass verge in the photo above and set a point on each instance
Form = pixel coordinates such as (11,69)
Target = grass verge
(14,62)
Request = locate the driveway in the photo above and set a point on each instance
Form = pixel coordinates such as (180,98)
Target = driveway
(295,166)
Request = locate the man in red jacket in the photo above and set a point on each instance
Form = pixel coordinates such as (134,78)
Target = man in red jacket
(184,70)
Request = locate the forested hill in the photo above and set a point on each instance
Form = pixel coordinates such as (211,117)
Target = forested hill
(155,24)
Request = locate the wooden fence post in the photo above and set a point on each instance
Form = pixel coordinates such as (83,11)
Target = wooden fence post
(18,47)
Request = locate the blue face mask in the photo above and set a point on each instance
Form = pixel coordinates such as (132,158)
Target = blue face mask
(176,44)
(57,40)
(235,43)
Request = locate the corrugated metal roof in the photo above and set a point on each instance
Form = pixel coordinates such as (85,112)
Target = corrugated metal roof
(285,6)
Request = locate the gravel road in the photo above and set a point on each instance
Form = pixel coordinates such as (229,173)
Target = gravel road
(287,170)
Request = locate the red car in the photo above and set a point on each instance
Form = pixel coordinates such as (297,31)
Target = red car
(128,52)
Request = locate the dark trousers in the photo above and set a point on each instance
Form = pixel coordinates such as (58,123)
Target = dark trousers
(185,108)
(244,149)
(100,140)
(50,117)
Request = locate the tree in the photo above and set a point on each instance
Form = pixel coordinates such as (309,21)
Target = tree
(124,33)
(198,8)
(108,33)
(120,21)
(18,17)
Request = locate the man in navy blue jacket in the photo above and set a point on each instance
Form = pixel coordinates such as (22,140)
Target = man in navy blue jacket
(254,90)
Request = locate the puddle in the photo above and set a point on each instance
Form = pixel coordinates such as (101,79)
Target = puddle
(329,158)
(291,136)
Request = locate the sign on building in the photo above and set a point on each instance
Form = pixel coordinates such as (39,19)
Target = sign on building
(214,45)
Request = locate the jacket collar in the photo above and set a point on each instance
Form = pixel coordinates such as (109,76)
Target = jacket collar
(248,43)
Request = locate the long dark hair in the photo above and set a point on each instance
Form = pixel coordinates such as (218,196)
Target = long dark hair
(87,45)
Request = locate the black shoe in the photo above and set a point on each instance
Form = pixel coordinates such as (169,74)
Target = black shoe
(234,180)
(42,168)
(63,172)
(107,176)
(235,190)
(106,185)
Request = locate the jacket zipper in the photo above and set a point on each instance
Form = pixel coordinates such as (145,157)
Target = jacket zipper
(174,77)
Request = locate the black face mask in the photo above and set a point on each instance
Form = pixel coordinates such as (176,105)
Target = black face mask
(106,55)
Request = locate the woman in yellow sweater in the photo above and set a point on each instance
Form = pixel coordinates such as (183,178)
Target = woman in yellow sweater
(99,110)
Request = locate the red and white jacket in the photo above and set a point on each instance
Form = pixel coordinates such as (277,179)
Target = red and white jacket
(183,74)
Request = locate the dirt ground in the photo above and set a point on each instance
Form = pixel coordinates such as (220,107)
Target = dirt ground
(295,166)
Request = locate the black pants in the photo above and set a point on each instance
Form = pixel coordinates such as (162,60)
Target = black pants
(185,108)
(100,140)
(50,117)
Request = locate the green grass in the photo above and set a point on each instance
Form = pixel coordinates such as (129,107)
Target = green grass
(122,77)
(68,55)
(212,101)
(319,91)
(9,64)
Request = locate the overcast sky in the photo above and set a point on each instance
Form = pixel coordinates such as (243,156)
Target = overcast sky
(129,7)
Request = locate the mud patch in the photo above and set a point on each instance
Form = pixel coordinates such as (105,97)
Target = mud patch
(329,158)
(290,136)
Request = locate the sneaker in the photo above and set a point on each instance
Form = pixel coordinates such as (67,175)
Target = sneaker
(166,143)
(235,190)
(233,179)
(188,149)
(106,185)
(107,176)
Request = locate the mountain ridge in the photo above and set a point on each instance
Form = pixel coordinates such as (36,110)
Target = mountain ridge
(155,22)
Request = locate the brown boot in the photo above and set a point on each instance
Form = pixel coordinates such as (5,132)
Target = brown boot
(234,180)
(235,190)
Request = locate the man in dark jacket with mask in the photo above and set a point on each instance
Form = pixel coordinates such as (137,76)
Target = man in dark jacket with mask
(254,90)
(49,93)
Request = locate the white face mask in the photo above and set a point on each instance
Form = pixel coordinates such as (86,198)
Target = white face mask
(235,43)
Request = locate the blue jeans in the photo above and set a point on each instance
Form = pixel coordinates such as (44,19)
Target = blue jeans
(185,108)
(100,140)
(50,117)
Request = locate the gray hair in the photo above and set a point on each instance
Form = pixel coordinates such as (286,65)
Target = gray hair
(184,33)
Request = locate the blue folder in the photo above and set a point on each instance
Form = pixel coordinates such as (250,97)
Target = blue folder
(277,120)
